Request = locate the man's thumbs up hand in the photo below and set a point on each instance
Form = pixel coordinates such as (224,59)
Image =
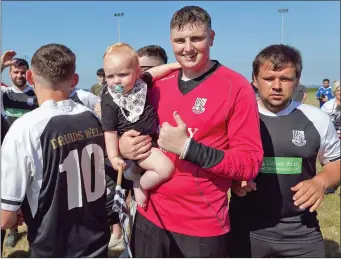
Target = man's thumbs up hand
(172,139)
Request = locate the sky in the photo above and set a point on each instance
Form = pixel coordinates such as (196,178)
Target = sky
(242,29)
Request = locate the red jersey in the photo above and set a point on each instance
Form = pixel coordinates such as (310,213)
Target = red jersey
(220,112)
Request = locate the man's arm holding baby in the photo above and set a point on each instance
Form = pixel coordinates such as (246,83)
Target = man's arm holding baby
(158,72)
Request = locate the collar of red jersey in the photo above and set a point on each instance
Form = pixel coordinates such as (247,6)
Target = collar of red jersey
(292,106)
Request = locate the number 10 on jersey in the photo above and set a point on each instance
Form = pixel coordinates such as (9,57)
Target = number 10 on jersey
(88,170)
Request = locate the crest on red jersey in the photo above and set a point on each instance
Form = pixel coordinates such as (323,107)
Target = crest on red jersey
(199,106)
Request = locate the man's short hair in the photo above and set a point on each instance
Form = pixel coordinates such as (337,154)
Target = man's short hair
(100,72)
(54,62)
(153,51)
(193,15)
(18,62)
(280,56)
(326,80)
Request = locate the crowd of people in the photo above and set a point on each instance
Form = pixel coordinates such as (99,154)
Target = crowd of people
(185,133)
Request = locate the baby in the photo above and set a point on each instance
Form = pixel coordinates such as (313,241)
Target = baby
(125,107)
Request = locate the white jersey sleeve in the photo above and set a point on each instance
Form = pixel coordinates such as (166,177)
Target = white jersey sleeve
(330,145)
(329,107)
(17,166)
(88,99)
(329,140)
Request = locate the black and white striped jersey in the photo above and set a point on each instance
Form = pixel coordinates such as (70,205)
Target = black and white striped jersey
(52,166)
(292,141)
(16,103)
(85,98)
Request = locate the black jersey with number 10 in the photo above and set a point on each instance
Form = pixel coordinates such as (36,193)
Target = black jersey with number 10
(53,168)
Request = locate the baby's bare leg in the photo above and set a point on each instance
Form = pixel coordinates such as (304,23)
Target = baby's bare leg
(159,168)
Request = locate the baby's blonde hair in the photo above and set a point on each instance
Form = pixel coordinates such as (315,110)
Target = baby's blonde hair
(123,48)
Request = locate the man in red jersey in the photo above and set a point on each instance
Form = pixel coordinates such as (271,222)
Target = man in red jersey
(209,128)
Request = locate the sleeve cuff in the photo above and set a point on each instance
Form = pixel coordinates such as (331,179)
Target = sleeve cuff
(10,205)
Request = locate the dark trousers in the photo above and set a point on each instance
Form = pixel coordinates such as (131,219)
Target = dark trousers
(149,240)
(241,244)
(3,233)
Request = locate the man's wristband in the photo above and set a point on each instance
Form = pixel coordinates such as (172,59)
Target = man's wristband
(185,148)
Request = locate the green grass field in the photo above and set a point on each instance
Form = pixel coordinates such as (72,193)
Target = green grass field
(329,217)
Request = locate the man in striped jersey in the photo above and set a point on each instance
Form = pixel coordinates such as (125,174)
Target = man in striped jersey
(275,216)
(19,98)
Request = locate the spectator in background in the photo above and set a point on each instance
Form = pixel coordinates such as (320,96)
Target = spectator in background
(324,93)
(96,89)
(332,108)
(151,56)
(16,100)
(300,94)
(85,98)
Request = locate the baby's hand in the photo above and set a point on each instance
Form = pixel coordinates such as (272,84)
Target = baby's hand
(116,162)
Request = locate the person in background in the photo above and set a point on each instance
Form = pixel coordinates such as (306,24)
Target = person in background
(16,100)
(332,108)
(19,98)
(300,94)
(85,98)
(324,93)
(97,88)
(151,56)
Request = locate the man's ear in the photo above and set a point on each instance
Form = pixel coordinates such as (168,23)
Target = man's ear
(139,72)
(75,81)
(254,81)
(212,35)
(298,81)
(29,77)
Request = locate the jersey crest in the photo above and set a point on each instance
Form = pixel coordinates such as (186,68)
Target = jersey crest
(30,101)
(199,106)
(298,138)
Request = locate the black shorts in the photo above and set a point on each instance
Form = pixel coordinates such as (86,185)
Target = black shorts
(111,178)
(241,244)
(148,240)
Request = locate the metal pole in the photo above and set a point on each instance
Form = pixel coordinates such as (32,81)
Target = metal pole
(282,11)
(118,15)
(118,29)
(282,27)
